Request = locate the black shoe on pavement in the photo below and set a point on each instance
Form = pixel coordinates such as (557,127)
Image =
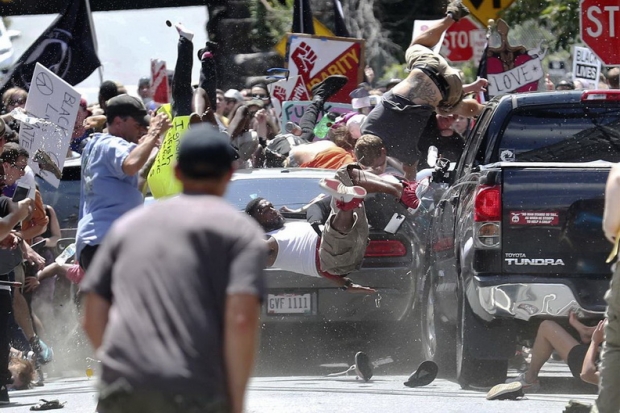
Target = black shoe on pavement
(4,395)
(424,375)
(506,391)
(363,368)
(457,10)
(575,406)
(329,86)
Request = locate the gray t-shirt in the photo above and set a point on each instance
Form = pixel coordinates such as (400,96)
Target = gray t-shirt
(167,269)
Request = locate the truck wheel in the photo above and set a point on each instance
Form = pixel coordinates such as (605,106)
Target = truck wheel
(438,342)
(471,369)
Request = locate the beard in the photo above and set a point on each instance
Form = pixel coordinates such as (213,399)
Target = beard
(275,224)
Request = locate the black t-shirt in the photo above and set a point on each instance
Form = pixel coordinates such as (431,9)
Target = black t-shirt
(5,206)
(449,147)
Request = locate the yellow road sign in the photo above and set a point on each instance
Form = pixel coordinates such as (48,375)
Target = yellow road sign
(483,10)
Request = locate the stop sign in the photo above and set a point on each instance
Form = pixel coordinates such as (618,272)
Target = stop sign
(463,41)
(600,29)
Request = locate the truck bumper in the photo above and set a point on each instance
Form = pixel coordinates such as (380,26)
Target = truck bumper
(525,300)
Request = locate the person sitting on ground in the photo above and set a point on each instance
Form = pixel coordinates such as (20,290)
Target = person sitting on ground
(432,85)
(339,250)
(581,356)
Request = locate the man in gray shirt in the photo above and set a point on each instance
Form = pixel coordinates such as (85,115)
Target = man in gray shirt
(173,294)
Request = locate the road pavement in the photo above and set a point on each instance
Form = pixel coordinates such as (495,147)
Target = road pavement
(319,393)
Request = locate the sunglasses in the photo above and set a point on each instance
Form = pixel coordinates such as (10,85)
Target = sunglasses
(17,102)
(260,96)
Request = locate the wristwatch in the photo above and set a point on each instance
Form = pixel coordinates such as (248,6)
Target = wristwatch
(347,283)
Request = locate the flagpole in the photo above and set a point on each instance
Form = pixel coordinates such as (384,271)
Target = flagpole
(94,35)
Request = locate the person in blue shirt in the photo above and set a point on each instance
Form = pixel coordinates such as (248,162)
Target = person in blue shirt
(110,166)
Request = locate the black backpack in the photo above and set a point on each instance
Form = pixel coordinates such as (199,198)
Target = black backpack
(278,148)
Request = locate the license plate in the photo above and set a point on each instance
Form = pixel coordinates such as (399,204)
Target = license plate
(289,303)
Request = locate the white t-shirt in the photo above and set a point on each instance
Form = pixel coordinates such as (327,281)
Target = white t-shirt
(296,248)
(28,180)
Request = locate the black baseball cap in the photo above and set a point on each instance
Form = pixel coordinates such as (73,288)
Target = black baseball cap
(126,105)
(205,152)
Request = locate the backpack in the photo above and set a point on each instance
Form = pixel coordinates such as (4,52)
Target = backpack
(278,148)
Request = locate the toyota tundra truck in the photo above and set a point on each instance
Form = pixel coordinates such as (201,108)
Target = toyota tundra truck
(515,231)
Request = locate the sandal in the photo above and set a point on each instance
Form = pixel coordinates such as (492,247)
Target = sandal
(48,405)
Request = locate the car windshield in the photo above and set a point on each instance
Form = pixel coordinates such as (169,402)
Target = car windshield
(575,134)
(294,193)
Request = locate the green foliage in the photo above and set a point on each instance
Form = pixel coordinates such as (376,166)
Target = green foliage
(560,17)
(271,21)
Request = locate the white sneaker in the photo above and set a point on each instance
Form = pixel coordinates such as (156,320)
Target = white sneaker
(340,191)
(183,32)
(527,387)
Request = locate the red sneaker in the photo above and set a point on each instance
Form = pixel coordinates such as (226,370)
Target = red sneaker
(412,192)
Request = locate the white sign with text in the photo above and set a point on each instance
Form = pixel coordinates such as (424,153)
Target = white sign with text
(54,100)
(586,66)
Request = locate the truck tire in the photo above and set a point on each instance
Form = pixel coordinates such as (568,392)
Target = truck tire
(473,371)
(438,338)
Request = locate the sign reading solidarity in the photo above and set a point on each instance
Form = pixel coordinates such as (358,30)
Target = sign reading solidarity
(483,10)
(314,58)
(600,29)
(56,102)
(464,41)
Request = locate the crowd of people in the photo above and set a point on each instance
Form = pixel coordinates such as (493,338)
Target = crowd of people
(205,351)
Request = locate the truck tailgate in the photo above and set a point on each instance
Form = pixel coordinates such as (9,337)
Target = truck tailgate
(552,222)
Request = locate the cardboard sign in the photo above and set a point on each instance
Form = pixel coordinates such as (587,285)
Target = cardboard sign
(57,102)
(420,26)
(513,68)
(293,89)
(293,111)
(314,58)
(160,89)
(161,179)
(586,66)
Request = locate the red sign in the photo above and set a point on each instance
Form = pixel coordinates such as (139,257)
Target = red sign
(600,29)
(159,81)
(464,41)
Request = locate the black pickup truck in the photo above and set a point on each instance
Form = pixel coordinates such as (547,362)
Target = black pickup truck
(514,231)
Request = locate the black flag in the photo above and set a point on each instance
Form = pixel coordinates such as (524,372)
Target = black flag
(339,26)
(302,17)
(66,48)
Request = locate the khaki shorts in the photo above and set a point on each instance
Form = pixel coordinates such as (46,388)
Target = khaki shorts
(341,254)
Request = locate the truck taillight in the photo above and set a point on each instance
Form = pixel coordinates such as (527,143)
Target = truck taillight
(600,95)
(488,204)
(385,248)
(487,216)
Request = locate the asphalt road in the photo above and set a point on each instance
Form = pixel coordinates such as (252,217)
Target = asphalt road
(383,393)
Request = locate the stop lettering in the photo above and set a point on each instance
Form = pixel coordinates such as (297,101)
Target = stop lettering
(600,25)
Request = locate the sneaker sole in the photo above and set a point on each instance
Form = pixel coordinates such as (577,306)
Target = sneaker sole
(332,186)
(505,391)
(362,366)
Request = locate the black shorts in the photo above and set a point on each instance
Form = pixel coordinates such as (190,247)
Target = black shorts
(399,123)
(575,359)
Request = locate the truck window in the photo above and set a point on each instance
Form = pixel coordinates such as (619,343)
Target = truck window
(569,134)
(471,157)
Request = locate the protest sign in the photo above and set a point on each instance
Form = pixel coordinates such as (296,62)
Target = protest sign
(293,111)
(161,179)
(420,26)
(291,89)
(160,89)
(54,100)
(314,58)
(586,66)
